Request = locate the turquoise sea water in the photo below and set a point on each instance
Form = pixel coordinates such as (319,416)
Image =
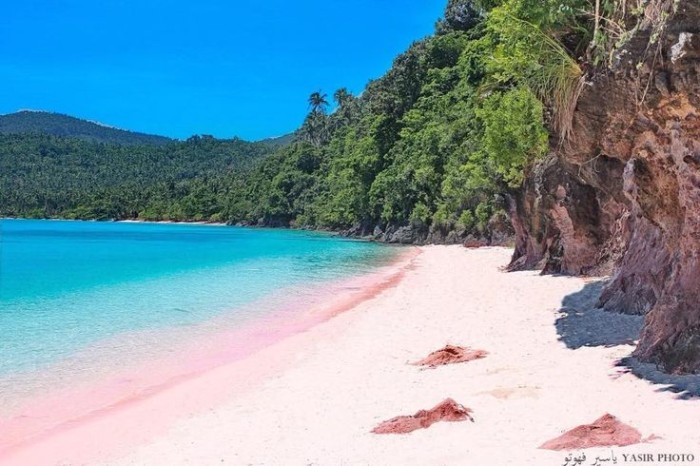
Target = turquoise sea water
(65,285)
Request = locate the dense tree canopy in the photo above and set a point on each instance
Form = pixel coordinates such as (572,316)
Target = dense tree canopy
(442,138)
(50,176)
(438,143)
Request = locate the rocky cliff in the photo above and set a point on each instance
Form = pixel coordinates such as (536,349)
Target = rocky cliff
(622,195)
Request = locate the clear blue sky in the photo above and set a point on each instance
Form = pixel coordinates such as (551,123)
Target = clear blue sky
(223,67)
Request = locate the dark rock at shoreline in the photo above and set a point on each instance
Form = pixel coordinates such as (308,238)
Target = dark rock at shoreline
(499,232)
(403,235)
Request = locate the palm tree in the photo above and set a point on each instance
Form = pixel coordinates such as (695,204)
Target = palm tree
(318,102)
(315,128)
(342,96)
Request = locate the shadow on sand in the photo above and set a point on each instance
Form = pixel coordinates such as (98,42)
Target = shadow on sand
(583,324)
(686,387)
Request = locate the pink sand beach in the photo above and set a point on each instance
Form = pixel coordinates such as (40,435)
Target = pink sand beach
(309,386)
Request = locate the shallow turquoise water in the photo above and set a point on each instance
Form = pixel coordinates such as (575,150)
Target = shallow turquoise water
(65,285)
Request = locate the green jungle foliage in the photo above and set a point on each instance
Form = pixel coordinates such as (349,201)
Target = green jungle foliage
(438,143)
(440,140)
(43,176)
(63,125)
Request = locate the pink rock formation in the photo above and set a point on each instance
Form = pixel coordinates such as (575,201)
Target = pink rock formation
(451,355)
(622,196)
(449,410)
(604,432)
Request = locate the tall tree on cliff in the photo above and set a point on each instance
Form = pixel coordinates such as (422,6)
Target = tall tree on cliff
(318,102)
(315,127)
(460,15)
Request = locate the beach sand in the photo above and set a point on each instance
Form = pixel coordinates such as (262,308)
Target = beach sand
(313,398)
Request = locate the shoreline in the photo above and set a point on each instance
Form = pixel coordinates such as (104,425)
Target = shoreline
(345,234)
(320,231)
(314,396)
(111,220)
(40,419)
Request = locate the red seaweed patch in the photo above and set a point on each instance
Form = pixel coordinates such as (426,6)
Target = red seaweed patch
(606,431)
(449,410)
(451,355)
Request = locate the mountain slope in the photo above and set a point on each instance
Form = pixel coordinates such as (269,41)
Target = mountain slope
(279,141)
(56,124)
(53,176)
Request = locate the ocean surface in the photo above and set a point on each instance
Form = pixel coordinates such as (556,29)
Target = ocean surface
(66,286)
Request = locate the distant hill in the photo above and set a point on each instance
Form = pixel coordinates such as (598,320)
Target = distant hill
(43,175)
(56,124)
(279,141)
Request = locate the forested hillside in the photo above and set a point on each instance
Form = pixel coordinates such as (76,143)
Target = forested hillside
(48,176)
(56,124)
(280,141)
(433,149)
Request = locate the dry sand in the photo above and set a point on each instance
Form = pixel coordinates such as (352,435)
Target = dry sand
(314,398)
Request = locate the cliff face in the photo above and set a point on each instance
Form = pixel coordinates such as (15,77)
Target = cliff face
(622,196)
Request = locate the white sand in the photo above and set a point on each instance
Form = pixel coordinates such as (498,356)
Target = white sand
(354,374)
(341,378)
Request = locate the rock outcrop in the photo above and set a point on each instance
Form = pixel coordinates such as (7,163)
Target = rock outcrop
(497,232)
(622,195)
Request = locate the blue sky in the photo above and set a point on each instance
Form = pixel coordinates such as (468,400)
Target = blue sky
(223,67)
